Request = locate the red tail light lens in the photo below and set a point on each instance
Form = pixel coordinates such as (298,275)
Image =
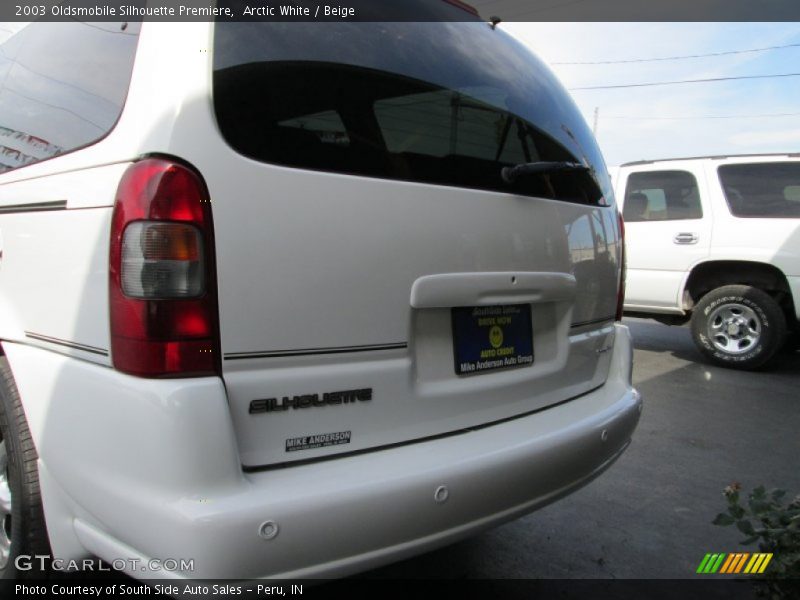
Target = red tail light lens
(623,268)
(163,291)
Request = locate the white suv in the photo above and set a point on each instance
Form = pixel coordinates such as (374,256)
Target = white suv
(717,240)
(296,299)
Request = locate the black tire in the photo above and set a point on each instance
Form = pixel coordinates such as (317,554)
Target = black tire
(757,327)
(23,527)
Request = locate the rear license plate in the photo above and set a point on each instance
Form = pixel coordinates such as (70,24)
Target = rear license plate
(486,338)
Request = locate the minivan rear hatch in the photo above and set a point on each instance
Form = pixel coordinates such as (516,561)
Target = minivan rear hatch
(379,281)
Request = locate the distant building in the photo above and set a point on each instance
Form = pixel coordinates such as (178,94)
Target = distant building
(18,148)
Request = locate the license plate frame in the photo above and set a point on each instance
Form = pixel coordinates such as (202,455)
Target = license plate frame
(491,338)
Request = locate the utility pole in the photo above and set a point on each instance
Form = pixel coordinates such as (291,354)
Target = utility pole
(596,117)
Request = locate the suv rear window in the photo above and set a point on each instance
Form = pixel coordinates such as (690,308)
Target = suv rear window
(440,103)
(662,196)
(62,87)
(769,190)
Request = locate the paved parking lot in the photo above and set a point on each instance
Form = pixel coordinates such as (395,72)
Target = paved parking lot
(650,515)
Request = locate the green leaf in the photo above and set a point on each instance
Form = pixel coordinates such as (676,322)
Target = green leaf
(737,512)
(759,506)
(750,540)
(777,494)
(723,520)
(745,527)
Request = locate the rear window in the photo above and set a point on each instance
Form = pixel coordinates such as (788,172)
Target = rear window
(662,196)
(62,87)
(770,190)
(439,103)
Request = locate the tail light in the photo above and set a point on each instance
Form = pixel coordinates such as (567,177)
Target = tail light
(163,291)
(623,268)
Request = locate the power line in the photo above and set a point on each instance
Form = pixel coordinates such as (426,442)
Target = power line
(72,112)
(764,116)
(654,83)
(18,63)
(680,57)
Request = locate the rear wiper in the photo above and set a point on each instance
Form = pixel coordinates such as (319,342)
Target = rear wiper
(511,174)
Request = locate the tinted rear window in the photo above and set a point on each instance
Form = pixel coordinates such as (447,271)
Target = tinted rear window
(62,86)
(662,196)
(762,189)
(440,103)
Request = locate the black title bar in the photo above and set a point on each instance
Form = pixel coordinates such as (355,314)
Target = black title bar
(403,10)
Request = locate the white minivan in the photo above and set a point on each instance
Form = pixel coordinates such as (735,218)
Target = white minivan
(296,300)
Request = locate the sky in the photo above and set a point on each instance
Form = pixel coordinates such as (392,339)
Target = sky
(9,29)
(673,120)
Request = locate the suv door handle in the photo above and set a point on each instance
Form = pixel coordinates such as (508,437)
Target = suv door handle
(685,238)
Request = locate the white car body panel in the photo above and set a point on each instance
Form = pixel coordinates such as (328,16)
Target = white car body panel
(37,272)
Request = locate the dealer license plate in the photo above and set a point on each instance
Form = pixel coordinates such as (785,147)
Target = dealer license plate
(487,338)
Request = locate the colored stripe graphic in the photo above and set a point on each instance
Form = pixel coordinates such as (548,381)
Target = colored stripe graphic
(741,562)
(717,564)
(727,565)
(754,563)
(714,563)
(734,563)
(712,558)
(703,563)
(730,564)
(767,558)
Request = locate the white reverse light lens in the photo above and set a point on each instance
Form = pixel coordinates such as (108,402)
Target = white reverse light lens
(162,260)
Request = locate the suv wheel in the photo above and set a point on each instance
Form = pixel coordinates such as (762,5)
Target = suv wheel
(738,326)
(22,526)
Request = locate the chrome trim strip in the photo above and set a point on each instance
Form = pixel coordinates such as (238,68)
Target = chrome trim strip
(311,351)
(34,207)
(66,343)
(591,322)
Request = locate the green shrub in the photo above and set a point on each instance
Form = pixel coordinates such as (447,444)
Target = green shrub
(775,526)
